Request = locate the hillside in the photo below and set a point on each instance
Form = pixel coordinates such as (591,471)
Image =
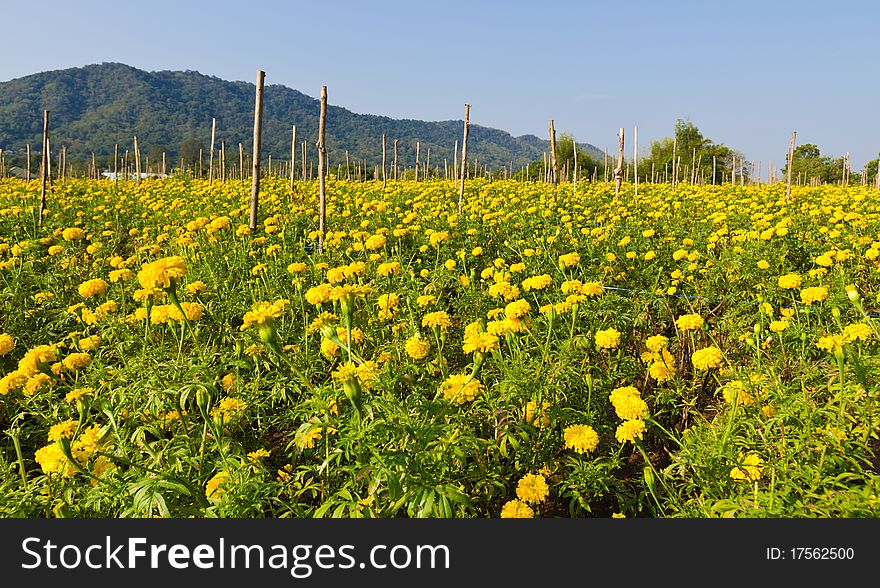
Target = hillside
(97,106)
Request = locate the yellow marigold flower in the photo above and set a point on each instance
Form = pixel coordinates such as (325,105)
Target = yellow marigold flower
(258,454)
(535,416)
(656,342)
(89,343)
(532,488)
(629,431)
(707,358)
(319,294)
(388,268)
(831,343)
(159,274)
(121,275)
(416,347)
(814,294)
(92,288)
(516,509)
(688,322)
(789,281)
(778,326)
(55,250)
(607,338)
(13,381)
(228,382)
(537,282)
(481,342)
(857,331)
(751,468)
(264,313)
(36,383)
(375,242)
(307,439)
(76,361)
(517,309)
(231,409)
(662,371)
(592,289)
(78,393)
(297,267)
(329,348)
(73,234)
(629,406)
(53,461)
(569,259)
(437,319)
(461,388)
(425,300)
(36,359)
(437,238)
(62,430)
(735,392)
(581,438)
(7,343)
(763,264)
(214,489)
(196,287)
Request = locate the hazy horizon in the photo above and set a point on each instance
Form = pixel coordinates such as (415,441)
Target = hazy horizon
(746,75)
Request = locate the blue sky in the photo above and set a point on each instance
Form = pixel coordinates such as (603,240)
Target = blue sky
(746,73)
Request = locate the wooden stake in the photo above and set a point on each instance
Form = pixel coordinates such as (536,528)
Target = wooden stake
(553,163)
(417,161)
(322,160)
(384,180)
(618,171)
(574,174)
(137,161)
(258,132)
(292,159)
(211,157)
(394,175)
(467,112)
(636,158)
(790,163)
(28,149)
(45,170)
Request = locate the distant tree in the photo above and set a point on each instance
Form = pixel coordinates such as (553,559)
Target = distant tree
(155,154)
(691,148)
(809,164)
(871,170)
(189,151)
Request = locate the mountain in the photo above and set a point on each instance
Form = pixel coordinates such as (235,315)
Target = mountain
(94,107)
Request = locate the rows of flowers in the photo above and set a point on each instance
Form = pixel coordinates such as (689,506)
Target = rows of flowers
(690,351)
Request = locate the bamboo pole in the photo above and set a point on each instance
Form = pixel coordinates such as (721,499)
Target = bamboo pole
(574,175)
(211,157)
(384,179)
(28,149)
(322,159)
(304,151)
(258,131)
(292,159)
(467,112)
(417,161)
(636,158)
(618,171)
(553,163)
(674,166)
(45,166)
(137,161)
(790,164)
(241,162)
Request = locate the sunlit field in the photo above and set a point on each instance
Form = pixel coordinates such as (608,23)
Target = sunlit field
(697,351)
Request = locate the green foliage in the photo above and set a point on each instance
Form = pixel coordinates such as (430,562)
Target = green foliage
(96,107)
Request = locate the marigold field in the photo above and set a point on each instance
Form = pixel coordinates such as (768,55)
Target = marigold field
(689,351)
